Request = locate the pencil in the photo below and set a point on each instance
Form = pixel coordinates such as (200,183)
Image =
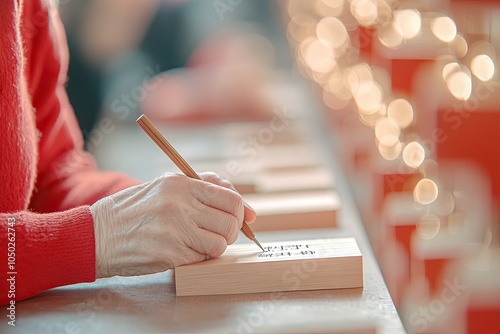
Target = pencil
(150,129)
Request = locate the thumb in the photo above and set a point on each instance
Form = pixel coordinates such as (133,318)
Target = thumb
(249,213)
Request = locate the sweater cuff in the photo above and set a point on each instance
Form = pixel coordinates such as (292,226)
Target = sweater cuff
(60,249)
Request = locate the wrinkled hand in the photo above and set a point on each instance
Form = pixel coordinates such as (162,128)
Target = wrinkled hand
(161,224)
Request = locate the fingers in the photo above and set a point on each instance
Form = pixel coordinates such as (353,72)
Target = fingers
(217,179)
(219,198)
(185,255)
(249,212)
(219,222)
(206,242)
(207,216)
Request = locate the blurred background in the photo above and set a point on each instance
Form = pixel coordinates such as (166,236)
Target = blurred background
(117,45)
(407,94)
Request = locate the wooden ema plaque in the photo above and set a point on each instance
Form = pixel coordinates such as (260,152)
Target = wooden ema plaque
(307,178)
(285,266)
(294,210)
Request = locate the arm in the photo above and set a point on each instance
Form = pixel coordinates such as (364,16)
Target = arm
(67,176)
(43,251)
(56,245)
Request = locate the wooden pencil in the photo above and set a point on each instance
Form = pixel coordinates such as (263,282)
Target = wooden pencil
(150,129)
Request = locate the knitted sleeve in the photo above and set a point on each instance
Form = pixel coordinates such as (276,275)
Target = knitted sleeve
(50,241)
(67,176)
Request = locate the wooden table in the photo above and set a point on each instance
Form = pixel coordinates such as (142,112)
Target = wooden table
(148,304)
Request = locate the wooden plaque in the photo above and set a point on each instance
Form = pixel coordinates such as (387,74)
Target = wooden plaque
(294,210)
(285,266)
(287,157)
(307,178)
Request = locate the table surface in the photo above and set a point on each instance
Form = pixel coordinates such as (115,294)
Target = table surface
(148,304)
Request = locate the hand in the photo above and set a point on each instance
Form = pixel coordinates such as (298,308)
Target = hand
(161,224)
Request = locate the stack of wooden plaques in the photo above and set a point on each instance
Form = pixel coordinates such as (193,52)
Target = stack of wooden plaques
(294,210)
(257,178)
(293,190)
(288,185)
(308,178)
(284,266)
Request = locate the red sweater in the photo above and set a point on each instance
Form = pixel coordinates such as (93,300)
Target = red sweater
(47,182)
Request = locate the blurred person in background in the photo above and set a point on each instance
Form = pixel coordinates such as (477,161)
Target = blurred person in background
(217,55)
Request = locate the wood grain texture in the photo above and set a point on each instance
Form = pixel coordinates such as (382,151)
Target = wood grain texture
(294,210)
(285,266)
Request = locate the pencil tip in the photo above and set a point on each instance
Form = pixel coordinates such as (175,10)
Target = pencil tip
(258,244)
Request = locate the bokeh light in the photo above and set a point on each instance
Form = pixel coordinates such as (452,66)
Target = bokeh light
(358,74)
(444,28)
(336,82)
(459,46)
(365,11)
(317,56)
(449,69)
(391,36)
(482,67)
(401,111)
(387,131)
(371,118)
(368,96)
(390,152)
(413,154)
(329,7)
(409,21)
(333,34)
(460,84)
(425,192)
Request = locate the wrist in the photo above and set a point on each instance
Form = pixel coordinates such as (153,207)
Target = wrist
(98,214)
